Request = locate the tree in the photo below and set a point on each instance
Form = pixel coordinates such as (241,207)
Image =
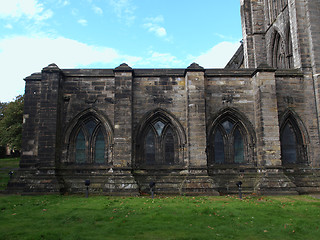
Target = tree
(2,107)
(11,123)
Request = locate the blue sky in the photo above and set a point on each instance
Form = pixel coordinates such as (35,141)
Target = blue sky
(106,33)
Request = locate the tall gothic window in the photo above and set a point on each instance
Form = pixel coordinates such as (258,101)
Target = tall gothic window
(90,142)
(288,144)
(160,144)
(228,143)
(282,56)
(279,55)
(293,140)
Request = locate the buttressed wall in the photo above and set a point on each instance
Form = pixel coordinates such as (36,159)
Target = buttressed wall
(191,131)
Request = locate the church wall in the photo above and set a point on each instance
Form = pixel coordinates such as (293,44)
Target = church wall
(164,92)
(230,91)
(291,95)
(85,92)
(30,121)
(277,92)
(158,92)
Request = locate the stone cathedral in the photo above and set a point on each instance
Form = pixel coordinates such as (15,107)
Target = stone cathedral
(191,131)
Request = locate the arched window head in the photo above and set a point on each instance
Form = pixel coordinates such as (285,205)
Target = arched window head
(278,52)
(293,141)
(90,144)
(282,51)
(160,144)
(228,144)
(159,140)
(230,141)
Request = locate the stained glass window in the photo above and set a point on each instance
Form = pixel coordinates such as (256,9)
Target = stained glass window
(169,147)
(150,149)
(227,126)
(90,126)
(238,147)
(159,127)
(228,143)
(90,142)
(99,148)
(218,147)
(80,148)
(288,145)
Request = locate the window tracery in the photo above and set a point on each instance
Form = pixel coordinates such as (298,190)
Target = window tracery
(160,144)
(160,140)
(228,144)
(292,141)
(282,51)
(89,143)
(231,139)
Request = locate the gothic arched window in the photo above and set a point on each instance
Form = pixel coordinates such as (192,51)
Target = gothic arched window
(89,143)
(292,140)
(278,52)
(281,51)
(228,143)
(288,144)
(160,144)
(231,139)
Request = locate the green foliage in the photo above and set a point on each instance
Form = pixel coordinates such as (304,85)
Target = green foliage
(2,107)
(76,217)
(11,124)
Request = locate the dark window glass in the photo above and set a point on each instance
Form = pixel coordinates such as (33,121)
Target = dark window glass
(169,147)
(159,127)
(150,150)
(218,147)
(90,126)
(238,147)
(80,148)
(288,145)
(227,126)
(99,148)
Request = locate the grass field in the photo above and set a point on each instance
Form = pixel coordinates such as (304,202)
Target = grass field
(6,165)
(100,217)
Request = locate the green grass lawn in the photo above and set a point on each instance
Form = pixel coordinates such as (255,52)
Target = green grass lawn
(100,217)
(6,165)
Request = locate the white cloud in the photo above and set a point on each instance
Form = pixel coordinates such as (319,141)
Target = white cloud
(20,56)
(124,9)
(158,19)
(153,25)
(157,30)
(97,10)
(83,22)
(17,9)
(160,60)
(64,3)
(218,56)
